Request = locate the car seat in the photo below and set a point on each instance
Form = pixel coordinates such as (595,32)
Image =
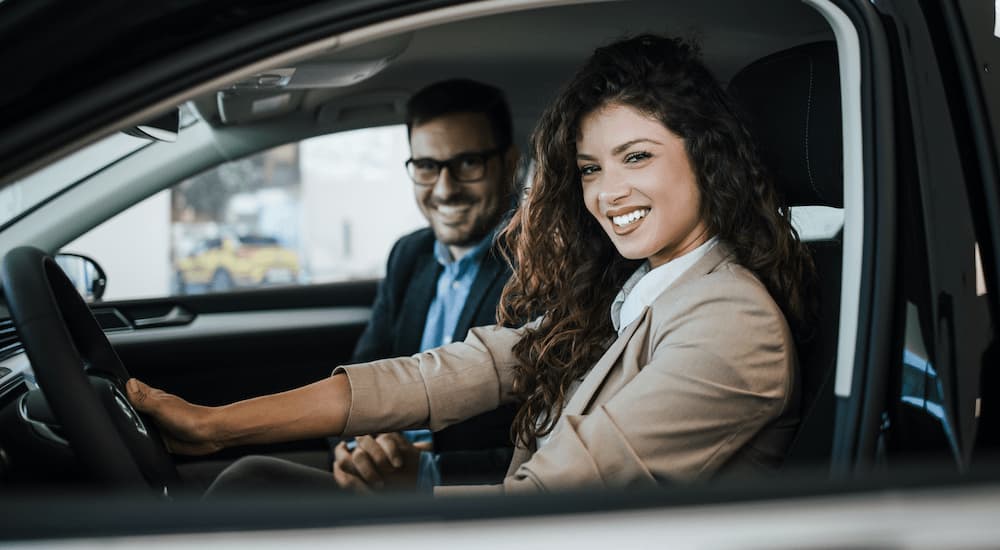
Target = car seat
(791,101)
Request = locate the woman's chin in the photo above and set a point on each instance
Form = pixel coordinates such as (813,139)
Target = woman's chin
(632,254)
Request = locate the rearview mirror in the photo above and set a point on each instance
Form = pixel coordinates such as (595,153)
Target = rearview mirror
(85,274)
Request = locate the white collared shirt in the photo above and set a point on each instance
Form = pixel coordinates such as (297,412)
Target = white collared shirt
(646,285)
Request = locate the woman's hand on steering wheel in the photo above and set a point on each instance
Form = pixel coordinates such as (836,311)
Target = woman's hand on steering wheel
(184,426)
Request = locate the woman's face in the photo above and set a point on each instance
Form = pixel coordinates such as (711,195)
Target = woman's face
(639,185)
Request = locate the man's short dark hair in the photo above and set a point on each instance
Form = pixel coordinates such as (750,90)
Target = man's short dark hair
(462,95)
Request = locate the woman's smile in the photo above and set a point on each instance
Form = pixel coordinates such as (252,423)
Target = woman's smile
(627,220)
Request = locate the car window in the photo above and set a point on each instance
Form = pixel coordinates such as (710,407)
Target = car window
(321,210)
(23,196)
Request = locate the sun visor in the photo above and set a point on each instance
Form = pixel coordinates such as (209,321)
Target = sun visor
(237,106)
(278,91)
(373,108)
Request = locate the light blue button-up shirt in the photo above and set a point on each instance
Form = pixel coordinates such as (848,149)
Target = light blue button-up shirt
(453,287)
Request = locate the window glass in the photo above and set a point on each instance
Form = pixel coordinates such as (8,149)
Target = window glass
(322,210)
(920,421)
(933,407)
(24,195)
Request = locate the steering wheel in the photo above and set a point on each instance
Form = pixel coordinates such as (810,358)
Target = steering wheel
(81,378)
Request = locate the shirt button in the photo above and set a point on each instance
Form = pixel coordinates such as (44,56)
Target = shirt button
(456,285)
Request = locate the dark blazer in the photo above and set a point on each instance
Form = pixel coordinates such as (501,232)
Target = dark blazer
(400,312)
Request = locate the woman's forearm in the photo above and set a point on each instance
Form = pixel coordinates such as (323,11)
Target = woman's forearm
(317,410)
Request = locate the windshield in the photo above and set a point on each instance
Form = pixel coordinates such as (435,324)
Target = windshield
(22,196)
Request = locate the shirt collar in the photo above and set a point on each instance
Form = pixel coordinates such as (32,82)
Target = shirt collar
(645,285)
(443,255)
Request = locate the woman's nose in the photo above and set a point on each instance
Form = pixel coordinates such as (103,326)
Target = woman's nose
(613,193)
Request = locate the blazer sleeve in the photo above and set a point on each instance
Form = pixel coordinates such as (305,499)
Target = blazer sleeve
(435,388)
(716,375)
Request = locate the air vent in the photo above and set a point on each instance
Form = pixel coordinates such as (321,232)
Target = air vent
(10,343)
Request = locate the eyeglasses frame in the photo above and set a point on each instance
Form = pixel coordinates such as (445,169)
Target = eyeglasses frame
(442,164)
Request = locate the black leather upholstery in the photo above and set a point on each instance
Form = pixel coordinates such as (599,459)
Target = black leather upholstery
(791,100)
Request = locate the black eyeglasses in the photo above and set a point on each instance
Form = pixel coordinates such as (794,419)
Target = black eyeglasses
(464,168)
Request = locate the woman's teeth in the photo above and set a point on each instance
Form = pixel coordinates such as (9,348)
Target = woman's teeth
(631,217)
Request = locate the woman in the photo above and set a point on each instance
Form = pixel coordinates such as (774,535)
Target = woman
(649,201)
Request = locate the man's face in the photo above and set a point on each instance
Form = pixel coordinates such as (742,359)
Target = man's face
(461,213)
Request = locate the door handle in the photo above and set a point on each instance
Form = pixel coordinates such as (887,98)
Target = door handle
(176,316)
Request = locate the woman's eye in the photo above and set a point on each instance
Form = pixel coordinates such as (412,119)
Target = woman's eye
(588,169)
(637,156)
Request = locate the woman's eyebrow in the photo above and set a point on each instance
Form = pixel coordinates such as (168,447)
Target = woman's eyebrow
(621,148)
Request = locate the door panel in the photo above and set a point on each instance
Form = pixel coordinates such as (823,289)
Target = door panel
(214,349)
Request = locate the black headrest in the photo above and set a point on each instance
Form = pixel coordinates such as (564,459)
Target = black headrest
(792,103)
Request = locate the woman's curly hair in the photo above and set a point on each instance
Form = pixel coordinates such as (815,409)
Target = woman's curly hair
(567,270)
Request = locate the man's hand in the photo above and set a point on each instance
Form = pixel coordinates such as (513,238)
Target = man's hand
(182,424)
(387,461)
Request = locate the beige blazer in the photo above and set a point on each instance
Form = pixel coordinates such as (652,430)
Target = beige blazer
(702,383)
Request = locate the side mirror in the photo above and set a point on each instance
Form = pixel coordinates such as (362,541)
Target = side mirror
(86,275)
(162,128)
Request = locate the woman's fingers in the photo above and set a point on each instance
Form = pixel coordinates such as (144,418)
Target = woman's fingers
(140,395)
(166,408)
(180,422)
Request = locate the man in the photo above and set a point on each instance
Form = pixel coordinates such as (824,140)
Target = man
(442,280)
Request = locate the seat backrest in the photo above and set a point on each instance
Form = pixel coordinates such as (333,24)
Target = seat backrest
(791,101)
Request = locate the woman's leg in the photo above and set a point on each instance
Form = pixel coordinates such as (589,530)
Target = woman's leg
(265,473)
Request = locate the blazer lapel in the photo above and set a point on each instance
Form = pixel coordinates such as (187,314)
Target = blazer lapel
(416,302)
(521,455)
(588,388)
(595,378)
(717,255)
(489,271)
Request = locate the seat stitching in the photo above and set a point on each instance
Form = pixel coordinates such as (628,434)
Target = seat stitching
(812,183)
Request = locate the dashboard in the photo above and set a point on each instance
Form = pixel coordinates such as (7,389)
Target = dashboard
(32,451)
